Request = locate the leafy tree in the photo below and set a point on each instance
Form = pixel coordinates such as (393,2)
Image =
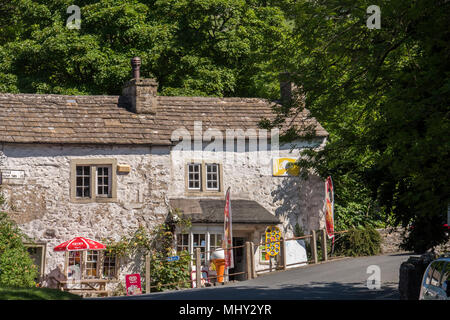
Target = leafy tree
(199,47)
(16,266)
(383,95)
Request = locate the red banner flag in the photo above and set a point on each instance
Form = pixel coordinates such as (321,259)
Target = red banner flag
(329,207)
(228,232)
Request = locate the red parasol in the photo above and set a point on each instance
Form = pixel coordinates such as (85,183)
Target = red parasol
(78,244)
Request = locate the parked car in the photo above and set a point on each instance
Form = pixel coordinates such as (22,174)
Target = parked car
(436,280)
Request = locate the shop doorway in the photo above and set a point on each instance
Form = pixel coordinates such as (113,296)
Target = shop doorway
(239,259)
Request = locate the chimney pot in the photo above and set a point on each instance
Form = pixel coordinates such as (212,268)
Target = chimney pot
(136,67)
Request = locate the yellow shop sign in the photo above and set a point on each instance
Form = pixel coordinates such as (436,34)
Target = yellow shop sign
(285,167)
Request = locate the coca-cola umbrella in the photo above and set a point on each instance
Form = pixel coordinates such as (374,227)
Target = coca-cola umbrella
(79,244)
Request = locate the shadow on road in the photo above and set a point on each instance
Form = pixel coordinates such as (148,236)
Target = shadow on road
(314,291)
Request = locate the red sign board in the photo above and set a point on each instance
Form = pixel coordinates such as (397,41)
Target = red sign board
(133,284)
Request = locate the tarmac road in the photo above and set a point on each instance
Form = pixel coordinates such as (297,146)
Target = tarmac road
(344,279)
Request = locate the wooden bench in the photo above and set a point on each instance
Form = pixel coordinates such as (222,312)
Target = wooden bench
(101,290)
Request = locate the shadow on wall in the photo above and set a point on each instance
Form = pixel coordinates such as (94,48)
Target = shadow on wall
(301,201)
(285,196)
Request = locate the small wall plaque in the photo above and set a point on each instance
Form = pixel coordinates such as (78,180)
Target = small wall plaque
(123,168)
(13,174)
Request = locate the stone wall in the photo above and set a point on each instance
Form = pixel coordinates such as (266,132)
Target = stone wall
(249,174)
(391,239)
(40,202)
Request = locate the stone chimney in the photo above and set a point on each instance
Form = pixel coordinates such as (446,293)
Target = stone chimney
(140,93)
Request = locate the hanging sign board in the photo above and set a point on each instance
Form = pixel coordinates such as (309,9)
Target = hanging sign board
(273,236)
(133,284)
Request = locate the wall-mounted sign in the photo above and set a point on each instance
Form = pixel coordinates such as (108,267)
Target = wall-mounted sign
(273,236)
(123,168)
(174,258)
(285,167)
(13,174)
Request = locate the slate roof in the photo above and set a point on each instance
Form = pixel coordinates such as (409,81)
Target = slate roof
(211,211)
(63,119)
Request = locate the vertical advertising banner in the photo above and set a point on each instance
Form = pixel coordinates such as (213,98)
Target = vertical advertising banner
(329,207)
(228,232)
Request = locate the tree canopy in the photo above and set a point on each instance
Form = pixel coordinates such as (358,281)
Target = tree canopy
(383,95)
(195,47)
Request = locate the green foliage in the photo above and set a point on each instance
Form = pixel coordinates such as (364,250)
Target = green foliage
(363,241)
(199,47)
(16,266)
(384,97)
(158,243)
(174,272)
(11,293)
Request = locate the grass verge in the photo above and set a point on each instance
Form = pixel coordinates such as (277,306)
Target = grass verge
(35,294)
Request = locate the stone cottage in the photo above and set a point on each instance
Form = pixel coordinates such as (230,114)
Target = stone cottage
(99,166)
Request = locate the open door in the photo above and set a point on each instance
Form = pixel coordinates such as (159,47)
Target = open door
(239,259)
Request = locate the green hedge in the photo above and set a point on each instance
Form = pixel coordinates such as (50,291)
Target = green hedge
(363,241)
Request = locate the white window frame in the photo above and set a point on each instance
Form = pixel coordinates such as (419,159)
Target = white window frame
(83,176)
(109,185)
(207,231)
(199,180)
(216,173)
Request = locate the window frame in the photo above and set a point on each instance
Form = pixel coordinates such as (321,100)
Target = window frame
(203,190)
(207,232)
(100,264)
(113,257)
(103,185)
(94,164)
(217,173)
(199,180)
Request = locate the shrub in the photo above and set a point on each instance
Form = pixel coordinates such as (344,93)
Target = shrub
(164,272)
(16,266)
(363,241)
